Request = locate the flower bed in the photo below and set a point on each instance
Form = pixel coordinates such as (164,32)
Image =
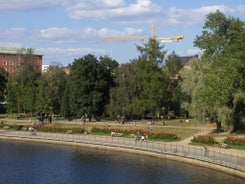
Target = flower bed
(59,129)
(135,131)
(203,139)
(235,141)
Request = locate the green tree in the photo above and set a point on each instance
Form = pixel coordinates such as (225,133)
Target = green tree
(222,76)
(21,88)
(148,88)
(152,51)
(51,88)
(140,85)
(89,84)
(109,65)
(191,84)
(121,94)
(3,84)
(172,67)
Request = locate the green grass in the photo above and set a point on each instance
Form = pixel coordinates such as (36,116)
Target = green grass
(236,147)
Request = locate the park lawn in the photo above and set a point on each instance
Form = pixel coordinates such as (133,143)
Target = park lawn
(181,130)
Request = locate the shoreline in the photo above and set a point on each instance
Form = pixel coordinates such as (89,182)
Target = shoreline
(133,151)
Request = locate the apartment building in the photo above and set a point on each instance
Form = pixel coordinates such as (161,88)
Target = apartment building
(11,59)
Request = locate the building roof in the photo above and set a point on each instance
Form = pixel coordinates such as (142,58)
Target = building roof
(185,59)
(19,51)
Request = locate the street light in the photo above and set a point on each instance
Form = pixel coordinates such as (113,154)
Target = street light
(163,109)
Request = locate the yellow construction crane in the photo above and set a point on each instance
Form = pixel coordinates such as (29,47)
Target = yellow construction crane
(142,38)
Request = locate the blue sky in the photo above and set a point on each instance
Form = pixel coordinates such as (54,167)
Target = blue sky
(64,30)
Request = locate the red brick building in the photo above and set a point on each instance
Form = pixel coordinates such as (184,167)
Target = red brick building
(12,58)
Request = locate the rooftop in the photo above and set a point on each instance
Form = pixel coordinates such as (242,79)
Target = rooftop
(20,51)
(185,59)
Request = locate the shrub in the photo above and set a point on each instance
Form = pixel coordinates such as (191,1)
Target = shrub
(100,130)
(163,136)
(203,139)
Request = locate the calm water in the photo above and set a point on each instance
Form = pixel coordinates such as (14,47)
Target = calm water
(28,163)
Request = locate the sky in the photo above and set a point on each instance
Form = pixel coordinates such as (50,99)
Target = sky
(64,30)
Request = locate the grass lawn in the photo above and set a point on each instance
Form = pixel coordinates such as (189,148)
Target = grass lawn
(181,130)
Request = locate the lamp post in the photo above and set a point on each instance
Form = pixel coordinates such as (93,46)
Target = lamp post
(163,109)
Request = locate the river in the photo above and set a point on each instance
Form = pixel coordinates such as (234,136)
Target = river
(30,163)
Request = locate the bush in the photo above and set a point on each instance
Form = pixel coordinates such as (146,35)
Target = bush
(203,139)
(100,130)
(163,136)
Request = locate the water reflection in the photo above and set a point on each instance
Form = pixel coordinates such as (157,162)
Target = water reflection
(42,163)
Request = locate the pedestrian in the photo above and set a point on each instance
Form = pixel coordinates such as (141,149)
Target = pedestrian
(206,152)
(30,122)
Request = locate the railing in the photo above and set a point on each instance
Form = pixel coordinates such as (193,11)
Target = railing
(227,160)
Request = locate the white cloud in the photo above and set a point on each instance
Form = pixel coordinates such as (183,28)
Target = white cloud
(68,54)
(23,5)
(194,51)
(59,35)
(141,11)
(62,35)
(187,17)
(133,31)
(111,10)
(209,9)
(67,35)
(14,33)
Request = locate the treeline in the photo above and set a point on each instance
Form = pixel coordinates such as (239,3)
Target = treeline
(210,88)
(99,87)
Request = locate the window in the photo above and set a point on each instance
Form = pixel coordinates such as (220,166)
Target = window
(12,62)
(5,63)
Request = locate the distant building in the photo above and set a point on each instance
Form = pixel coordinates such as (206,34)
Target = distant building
(185,59)
(11,58)
(45,68)
(67,69)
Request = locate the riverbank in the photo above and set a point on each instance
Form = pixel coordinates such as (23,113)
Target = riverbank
(141,148)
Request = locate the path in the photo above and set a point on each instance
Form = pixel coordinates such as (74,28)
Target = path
(202,131)
(184,142)
(206,131)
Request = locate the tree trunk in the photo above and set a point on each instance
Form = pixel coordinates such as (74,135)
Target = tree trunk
(218,126)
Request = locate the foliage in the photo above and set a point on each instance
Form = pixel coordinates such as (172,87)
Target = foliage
(55,129)
(212,86)
(171,69)
(51,87)
(139,89)
(148,89)
(3,83)
(203,139)
(21,87)
(235,141)
(135,131)
(162,136)
(121,94)
(87,92)
(152,51)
